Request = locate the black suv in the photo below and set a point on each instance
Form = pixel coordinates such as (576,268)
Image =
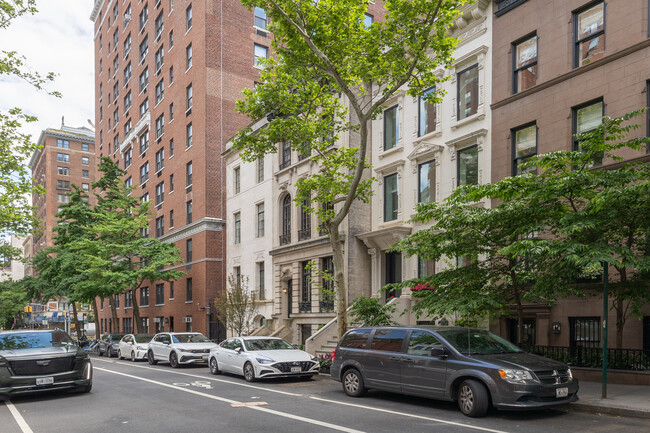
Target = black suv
(42,360)
(471,366)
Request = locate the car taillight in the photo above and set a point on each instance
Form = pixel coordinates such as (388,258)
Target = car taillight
(333,354)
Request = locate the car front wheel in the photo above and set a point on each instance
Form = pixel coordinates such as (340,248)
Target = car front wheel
(353,383)
(108,352)
(151,359)
(249,372)
(119,354)
(173,360)
(214,366)
(132,356)
(473,398)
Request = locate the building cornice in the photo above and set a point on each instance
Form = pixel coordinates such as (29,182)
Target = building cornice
(296,246)
(56,133)
(206,224)
(96,8)
(145,121)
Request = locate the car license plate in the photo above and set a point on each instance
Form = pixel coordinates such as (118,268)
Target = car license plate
(561,392)
(296,369)
(44,380)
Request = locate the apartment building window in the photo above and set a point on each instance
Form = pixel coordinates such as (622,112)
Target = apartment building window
(261,52)
(160,227)
(260,281)
(127,45)
(237,219)
(127,128)
(305,220)
(524,64)
(171,75)
(260,170)
(188,136)
(115,12)
(188,57)
(188,97)
(285,237)
(171,39)
(116,142)
(171,112)
(85,174)
(116,94)
(144,296)
(236,272)
(160,160)
(391,199)
(85,160)
(467,96)
(115,40)
(188,212)
(171,148)
(116,66)
(589,34)
(144,141)
(145,197)
(188,174)
(305,285)
(160,193)
(160,294)
(584,332)
(260,219)
(159,25)
(144,16)
(426,267)
(367,20)
(63,171)
(127,102)
(260,18)
(144,49)
(188,289)
(85,187)
(586,117)
(160,91)
(468,166)
(188,18)
(160,59)
(171,183)
(144,172)
(391,127)
(160,126)
(117,301)
(63,198)
(128,299)
(127,73)
(144,232)
(188,250)
(426,182)
(524,146)
(128,157)
(128,183)
(63,144)
(171,219)
(144,107)
(286,155)
(236,180)
(64,157)
(144,80)
(426,113)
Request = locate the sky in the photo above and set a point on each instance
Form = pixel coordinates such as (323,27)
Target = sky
(59,38)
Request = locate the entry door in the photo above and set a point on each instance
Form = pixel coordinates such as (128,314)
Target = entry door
(393,273)
(289,297)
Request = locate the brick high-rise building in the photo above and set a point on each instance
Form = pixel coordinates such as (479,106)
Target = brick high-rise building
(167,76)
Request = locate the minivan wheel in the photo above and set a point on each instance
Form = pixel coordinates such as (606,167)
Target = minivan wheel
(353,383)
(473,398)
(151,359)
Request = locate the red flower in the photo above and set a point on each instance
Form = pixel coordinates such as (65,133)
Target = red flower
(421,287)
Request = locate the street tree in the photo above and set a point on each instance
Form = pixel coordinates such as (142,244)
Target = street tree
(331,75)
(236,305)
(12,302)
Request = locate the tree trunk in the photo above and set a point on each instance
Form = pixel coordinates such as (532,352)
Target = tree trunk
(520,315)
(339,281)
(76,321)
(620,323)
(116,322)
(95,312)
(136,313)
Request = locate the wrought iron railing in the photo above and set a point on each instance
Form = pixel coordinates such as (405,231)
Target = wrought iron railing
(326,305)
(304,234)
(304,306)
(618,359)
(285,239)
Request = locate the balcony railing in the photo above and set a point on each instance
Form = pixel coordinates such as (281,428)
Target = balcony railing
(327,305)
(304,234)
(304,306)
(618,359)
(285,239)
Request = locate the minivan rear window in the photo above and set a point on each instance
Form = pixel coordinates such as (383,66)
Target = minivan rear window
(389,340)
(356,339)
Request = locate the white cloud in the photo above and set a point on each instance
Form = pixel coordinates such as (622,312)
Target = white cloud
(59,38)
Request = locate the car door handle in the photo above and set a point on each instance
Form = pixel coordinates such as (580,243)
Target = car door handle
(395,358)
(407,360)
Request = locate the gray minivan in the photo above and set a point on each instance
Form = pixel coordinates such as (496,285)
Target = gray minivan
(471,366)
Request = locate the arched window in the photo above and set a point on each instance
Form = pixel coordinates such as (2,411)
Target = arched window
(285,237)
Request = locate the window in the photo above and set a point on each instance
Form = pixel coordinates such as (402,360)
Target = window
(116,66)
(285,237)
(171,39)
(144,49)
(584,332)
(237,219)
(144,141)
(144,296)
(127,73)
(391,128)
(367,20)
(128,299)
(188,250)
(144,80)
(427,114)
(236,271)
(589,34)
(63,157)
(160,159)
(127,45)
(160,294)
(63,198)
(426,182)
(116,93)
(128,157)
(260,170)
(85,174)
(305,283)
(389,340)
(171,290)
(390,197)
(127,102)
(160,126)
(160,59)
(171,111)
(286,155)
(85,160)
(116,116)
(117,301)
(421,343)
(260,18)
(62,184)
(188,212)
(261,52)
(85,187)
(188,18)
(160,193)
(467,92)
(171,219)
(260,281)
(188,97)
(236,180)
(144,198)
(160,228)
(188,289)
(115,12)
(468,166)
(128,183)
(144,17)
(188,136)
(357,339)
(188,57)
(171,147)
(63,144)
(116,142)
(144,172)
(188,174)
(585,118)
(127,128)
(160,91)
(305,220)
(426,267)
(63,171)
(524,146)
(144,107)
(159,25)
(525,64)
(260,219)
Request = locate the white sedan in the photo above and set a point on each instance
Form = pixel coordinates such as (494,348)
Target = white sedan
(260,358)
(179,348)
(134,346)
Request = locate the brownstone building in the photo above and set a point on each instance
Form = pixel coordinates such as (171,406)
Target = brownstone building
(559,66)
(167,75)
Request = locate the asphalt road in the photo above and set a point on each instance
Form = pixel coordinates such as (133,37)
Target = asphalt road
(137,397)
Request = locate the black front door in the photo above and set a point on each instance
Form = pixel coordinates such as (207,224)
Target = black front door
(527,333)
(289,297)
(646,333)
(393,273)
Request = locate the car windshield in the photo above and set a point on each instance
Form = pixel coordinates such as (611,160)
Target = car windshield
(33,340)
(117,337)
(190,338)
(266,344)
(143,338)
(477,342)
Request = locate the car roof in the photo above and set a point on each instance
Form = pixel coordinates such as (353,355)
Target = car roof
(31,331)
(259,338)
(426,327)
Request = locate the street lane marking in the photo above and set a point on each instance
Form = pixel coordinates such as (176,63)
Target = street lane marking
(18,417)
(245,385)
(408,415)
(227,400)
(249,403)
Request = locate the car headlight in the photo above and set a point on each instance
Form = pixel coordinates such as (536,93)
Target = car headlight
(568,371)
(515,376)
(264,360)
(141,348)
(184,350)
(313,358)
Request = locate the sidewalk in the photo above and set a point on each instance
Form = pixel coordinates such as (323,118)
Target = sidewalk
(622,400)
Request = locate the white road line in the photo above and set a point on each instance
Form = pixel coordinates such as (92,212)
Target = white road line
(408,415)
(204,378)
(18,417)
(226,400)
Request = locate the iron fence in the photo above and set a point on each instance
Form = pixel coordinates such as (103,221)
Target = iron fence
(617,359)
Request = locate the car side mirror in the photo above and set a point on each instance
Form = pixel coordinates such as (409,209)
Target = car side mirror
(166,342)
(439,352)
(238,350)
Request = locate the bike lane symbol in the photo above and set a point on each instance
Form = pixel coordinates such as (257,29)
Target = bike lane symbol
(196,383)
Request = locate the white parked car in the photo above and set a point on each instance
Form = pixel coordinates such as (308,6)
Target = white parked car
(179,348)
(134,346)
(260,358)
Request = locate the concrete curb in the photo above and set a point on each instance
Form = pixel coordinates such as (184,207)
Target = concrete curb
(608,410)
